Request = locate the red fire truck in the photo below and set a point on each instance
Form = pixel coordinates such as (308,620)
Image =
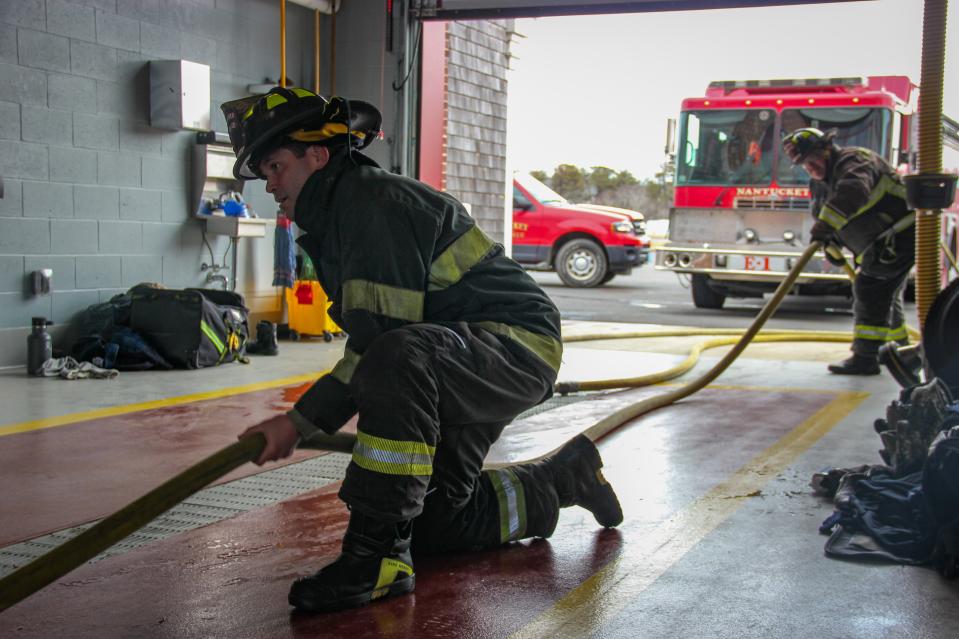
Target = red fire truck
(741,213)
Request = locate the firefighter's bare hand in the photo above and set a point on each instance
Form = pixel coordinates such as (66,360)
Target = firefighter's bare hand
(281,438)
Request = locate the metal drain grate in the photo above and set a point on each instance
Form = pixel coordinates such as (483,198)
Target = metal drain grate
(201,509)
(555,402)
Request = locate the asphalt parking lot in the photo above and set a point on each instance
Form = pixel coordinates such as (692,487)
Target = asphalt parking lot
(649,296)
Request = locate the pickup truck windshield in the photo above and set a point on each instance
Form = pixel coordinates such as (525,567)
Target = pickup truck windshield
(858,126)
(726,146)
(540,192)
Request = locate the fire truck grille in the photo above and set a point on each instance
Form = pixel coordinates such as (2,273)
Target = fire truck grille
(778,204)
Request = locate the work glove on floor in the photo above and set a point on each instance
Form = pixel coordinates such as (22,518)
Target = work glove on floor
(856,365)
(579,481)
(375,564)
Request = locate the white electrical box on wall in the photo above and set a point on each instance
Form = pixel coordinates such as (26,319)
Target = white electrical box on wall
(179,95)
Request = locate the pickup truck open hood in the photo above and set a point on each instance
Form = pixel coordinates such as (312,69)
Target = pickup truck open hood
(622,214)
(588,210)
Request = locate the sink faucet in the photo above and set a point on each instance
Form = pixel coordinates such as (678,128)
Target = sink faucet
(214,275)
(218,277)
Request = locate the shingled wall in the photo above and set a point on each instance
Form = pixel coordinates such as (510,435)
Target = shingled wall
(475,167)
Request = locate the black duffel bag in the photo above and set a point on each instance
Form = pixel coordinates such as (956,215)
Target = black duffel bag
(193,327)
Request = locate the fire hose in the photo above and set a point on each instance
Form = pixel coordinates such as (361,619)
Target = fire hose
(46,569)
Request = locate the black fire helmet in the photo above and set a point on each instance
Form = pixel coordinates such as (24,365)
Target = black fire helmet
(259,123)
(800,143)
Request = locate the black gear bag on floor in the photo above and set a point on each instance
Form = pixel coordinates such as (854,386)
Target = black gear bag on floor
(192,328)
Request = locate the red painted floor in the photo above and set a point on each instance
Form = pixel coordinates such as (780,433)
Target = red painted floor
(230,579)
(71,474)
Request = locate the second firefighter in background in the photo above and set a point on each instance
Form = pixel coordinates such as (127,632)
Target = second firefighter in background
(859,202)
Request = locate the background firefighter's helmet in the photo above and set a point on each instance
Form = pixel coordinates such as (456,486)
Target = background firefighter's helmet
(259,123)
(801,142)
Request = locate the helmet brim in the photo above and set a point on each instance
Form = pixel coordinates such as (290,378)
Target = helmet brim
(241,169)
(364,118)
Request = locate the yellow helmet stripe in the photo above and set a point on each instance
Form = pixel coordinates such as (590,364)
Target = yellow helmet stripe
(274,100)
(328,130)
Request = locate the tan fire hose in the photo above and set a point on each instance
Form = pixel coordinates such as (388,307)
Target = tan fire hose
(46,569)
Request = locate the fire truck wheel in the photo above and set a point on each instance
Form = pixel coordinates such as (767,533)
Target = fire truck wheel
(608,277)
(581,263)
(704,296)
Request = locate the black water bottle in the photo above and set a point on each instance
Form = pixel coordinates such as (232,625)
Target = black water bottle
(39,346)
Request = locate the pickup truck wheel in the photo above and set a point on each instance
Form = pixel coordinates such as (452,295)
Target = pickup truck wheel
(703,294)
(581,263)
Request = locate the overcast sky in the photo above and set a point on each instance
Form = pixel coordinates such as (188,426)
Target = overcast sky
(597,90)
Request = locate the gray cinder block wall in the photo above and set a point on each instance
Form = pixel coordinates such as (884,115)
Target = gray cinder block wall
(478,57)
(95,193)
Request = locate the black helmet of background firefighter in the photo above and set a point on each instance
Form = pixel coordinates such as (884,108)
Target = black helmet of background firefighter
(799,144)
(258,124)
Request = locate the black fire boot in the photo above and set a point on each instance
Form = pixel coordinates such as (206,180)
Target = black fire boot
(904,363)
(265,343)
(856,365)
(580,482)
(375,564)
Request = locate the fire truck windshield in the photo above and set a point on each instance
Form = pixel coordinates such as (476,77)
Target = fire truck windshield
(722,147)
(726,146)
(865,127)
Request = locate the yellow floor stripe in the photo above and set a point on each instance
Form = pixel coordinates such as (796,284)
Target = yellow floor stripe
(585,610)
(72,418)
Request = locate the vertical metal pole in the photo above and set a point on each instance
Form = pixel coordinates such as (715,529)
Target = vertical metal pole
(928,229)
(282,43)
(316,51)
(236,244)
(333,50)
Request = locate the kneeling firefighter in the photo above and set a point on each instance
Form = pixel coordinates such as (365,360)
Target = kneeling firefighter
(859,202)
(449,340)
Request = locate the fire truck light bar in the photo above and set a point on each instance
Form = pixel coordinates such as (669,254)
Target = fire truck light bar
(731,85)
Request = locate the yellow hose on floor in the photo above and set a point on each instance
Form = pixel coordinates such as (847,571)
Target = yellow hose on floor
(781,335)
(690,361)
(628,413)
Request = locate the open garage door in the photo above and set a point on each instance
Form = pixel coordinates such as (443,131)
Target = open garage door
(458,97)
(498,9)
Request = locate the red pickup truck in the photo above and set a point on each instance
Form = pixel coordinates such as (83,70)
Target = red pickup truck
(586,244)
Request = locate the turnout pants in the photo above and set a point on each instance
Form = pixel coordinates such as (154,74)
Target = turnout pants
(432,399)
(877,294)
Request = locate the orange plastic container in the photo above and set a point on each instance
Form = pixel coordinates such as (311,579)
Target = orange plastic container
(306,305)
